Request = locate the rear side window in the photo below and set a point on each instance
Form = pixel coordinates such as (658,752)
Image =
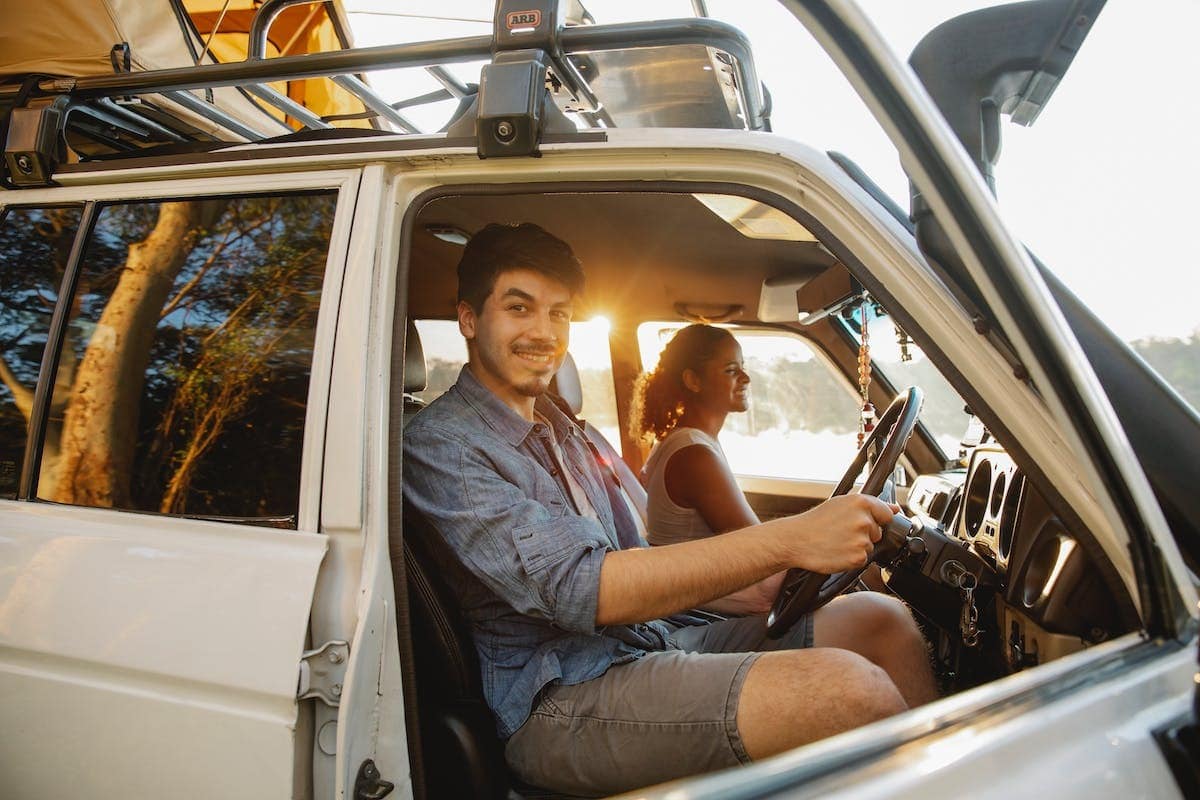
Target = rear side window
(35,244)
(183,379)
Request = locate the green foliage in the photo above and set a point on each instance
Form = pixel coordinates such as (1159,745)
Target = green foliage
(1177,360)
(796,395)
(232,360)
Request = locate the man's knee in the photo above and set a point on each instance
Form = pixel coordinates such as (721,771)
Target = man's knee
(794,697)
(882,611)
(882,619)
(897,621)
(864,689)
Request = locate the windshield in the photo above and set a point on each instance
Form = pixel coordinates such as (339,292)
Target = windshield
(898,359)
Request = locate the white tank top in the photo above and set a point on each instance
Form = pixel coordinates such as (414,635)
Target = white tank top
(666,522)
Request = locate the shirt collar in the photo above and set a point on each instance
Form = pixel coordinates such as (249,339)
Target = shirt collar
(510,425)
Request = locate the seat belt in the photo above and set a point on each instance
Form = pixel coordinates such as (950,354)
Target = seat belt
(628,531)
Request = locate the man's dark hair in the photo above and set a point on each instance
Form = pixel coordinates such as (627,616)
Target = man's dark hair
(500,248)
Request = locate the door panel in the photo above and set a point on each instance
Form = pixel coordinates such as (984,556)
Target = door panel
(145,656)
(779,497)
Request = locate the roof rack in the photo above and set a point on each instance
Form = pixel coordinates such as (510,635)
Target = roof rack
(539,66)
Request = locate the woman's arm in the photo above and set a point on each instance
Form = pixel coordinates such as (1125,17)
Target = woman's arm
(697,477)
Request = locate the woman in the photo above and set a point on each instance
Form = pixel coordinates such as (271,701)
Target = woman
(681,406)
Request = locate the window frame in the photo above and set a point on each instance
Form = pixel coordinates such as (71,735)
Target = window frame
(344,182)
(831,205)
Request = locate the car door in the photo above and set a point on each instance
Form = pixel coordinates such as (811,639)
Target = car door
(166,352)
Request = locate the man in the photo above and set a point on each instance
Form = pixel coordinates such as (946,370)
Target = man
(599,680)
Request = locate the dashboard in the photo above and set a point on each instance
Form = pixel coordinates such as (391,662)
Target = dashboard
(995,551)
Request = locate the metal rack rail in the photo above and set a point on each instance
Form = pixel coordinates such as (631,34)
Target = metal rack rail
(256,70)
(551,47)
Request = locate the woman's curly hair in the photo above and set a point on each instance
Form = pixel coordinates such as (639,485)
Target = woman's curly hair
(659,396)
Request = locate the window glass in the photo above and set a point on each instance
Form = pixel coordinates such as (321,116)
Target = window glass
(183,381)
(943,413)
(802,422)
(589,348)
(35,244)
(446,352)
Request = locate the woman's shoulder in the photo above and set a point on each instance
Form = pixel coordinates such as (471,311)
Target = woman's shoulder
(677,440)
(682,437)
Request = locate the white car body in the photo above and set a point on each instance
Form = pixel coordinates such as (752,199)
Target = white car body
(137,651)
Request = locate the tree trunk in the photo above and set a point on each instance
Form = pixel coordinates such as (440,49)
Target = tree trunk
(99,430)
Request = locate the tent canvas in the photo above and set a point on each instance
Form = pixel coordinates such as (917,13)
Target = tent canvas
(76,38)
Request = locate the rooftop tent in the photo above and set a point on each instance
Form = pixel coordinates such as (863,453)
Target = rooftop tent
(77,38)
(224,25)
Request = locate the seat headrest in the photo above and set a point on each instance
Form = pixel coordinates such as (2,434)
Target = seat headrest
(415,378)
(567,386)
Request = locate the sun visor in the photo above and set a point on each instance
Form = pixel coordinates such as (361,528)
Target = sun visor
(779,299)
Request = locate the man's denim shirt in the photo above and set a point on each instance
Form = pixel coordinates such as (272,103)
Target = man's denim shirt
(487,481)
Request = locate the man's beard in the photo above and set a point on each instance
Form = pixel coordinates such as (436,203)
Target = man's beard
(534,387)
(538,385)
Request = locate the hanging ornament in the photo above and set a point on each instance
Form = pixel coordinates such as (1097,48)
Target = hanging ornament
(904,340)
(866,422)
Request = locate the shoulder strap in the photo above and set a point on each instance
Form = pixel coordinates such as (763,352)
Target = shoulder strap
(627,528)
(565,407)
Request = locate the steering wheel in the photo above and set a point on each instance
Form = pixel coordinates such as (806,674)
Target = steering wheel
(803,592)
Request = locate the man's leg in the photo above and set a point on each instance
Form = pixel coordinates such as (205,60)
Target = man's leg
(796,693)
(793,697)
(671,714)
(665,715)
(881,629)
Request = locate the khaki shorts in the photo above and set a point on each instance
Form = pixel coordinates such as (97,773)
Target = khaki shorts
(665,715)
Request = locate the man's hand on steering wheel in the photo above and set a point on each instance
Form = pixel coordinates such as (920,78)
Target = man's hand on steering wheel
(859,518)
(804,591)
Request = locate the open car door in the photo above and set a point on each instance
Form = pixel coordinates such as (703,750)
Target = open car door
(1008,60)
(164,427)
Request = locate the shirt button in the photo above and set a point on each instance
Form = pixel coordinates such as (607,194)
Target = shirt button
(554,472)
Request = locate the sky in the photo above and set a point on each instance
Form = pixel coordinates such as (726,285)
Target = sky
(1098,187)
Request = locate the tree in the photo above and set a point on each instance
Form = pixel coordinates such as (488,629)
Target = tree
(189,348)
(1178,361)
(99,428)
(35,244)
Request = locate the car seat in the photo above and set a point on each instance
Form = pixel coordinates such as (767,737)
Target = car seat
(461,754)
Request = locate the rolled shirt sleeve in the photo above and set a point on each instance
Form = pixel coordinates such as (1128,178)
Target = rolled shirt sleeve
(535,555)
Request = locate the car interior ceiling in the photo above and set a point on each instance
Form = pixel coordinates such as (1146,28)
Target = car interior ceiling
(665,256)
(642,253)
